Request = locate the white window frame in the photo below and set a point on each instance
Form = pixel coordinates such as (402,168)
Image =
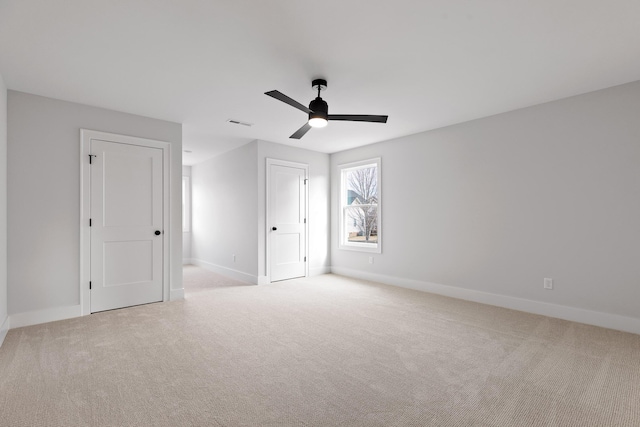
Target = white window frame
(186,204)
(342,238)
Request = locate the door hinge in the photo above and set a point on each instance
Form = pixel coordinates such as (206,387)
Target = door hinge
(305,181)
(305,259)
(89,284)
(91,156)
(305,220)
(89,222)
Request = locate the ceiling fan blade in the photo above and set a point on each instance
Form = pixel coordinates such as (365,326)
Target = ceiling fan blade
(358,118)
(284,98)
(300,132)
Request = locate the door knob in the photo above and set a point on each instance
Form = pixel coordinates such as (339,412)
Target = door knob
(274,228)
(158,232)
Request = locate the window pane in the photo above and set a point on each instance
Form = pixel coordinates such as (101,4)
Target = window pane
(361,224)
(362,186)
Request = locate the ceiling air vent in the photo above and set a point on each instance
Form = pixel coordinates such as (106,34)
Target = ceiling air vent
(238,122)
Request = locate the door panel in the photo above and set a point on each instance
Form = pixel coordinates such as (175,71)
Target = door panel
(122,271)
(126,211)
(287,212)
(133,207)
(288,197)
(288,248)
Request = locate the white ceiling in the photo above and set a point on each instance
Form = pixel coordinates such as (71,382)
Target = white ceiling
(426,64)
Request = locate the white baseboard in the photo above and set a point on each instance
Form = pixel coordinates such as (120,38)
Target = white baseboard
(596,318)
(176,294)
(36,317)
(4,328)
(228,272)
(263,280)
(317,271)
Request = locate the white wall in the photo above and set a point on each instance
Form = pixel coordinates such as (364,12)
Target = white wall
(497,204)
(229,209)
(225,205)
(4,319)
(44,199)
(186,237)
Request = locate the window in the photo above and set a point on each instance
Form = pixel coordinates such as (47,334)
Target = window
(186,205)
(360,206)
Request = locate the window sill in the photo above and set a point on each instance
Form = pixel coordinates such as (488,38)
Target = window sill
(359,248)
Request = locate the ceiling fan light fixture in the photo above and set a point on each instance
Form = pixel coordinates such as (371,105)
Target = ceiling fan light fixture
(318,122)
(319,114)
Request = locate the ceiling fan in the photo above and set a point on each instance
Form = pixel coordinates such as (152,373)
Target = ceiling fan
(319,111)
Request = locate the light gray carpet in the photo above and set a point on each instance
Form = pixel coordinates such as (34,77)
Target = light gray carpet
(322,351)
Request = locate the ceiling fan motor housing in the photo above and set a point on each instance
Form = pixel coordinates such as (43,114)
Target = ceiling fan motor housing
(319,108)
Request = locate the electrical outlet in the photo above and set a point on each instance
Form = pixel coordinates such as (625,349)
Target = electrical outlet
(370,260)
(548,283)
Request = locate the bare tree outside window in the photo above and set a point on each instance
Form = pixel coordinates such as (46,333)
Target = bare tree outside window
(362,194)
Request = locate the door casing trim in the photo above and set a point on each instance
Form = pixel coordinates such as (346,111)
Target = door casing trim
(304,166)
(86,136)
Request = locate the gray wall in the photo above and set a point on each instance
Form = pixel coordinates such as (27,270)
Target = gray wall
(229,208)
(3,207)
(225,205)
(44,195)
(498,204)
(186,237)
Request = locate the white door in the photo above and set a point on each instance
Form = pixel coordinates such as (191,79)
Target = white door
(126,225)
(287,217)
